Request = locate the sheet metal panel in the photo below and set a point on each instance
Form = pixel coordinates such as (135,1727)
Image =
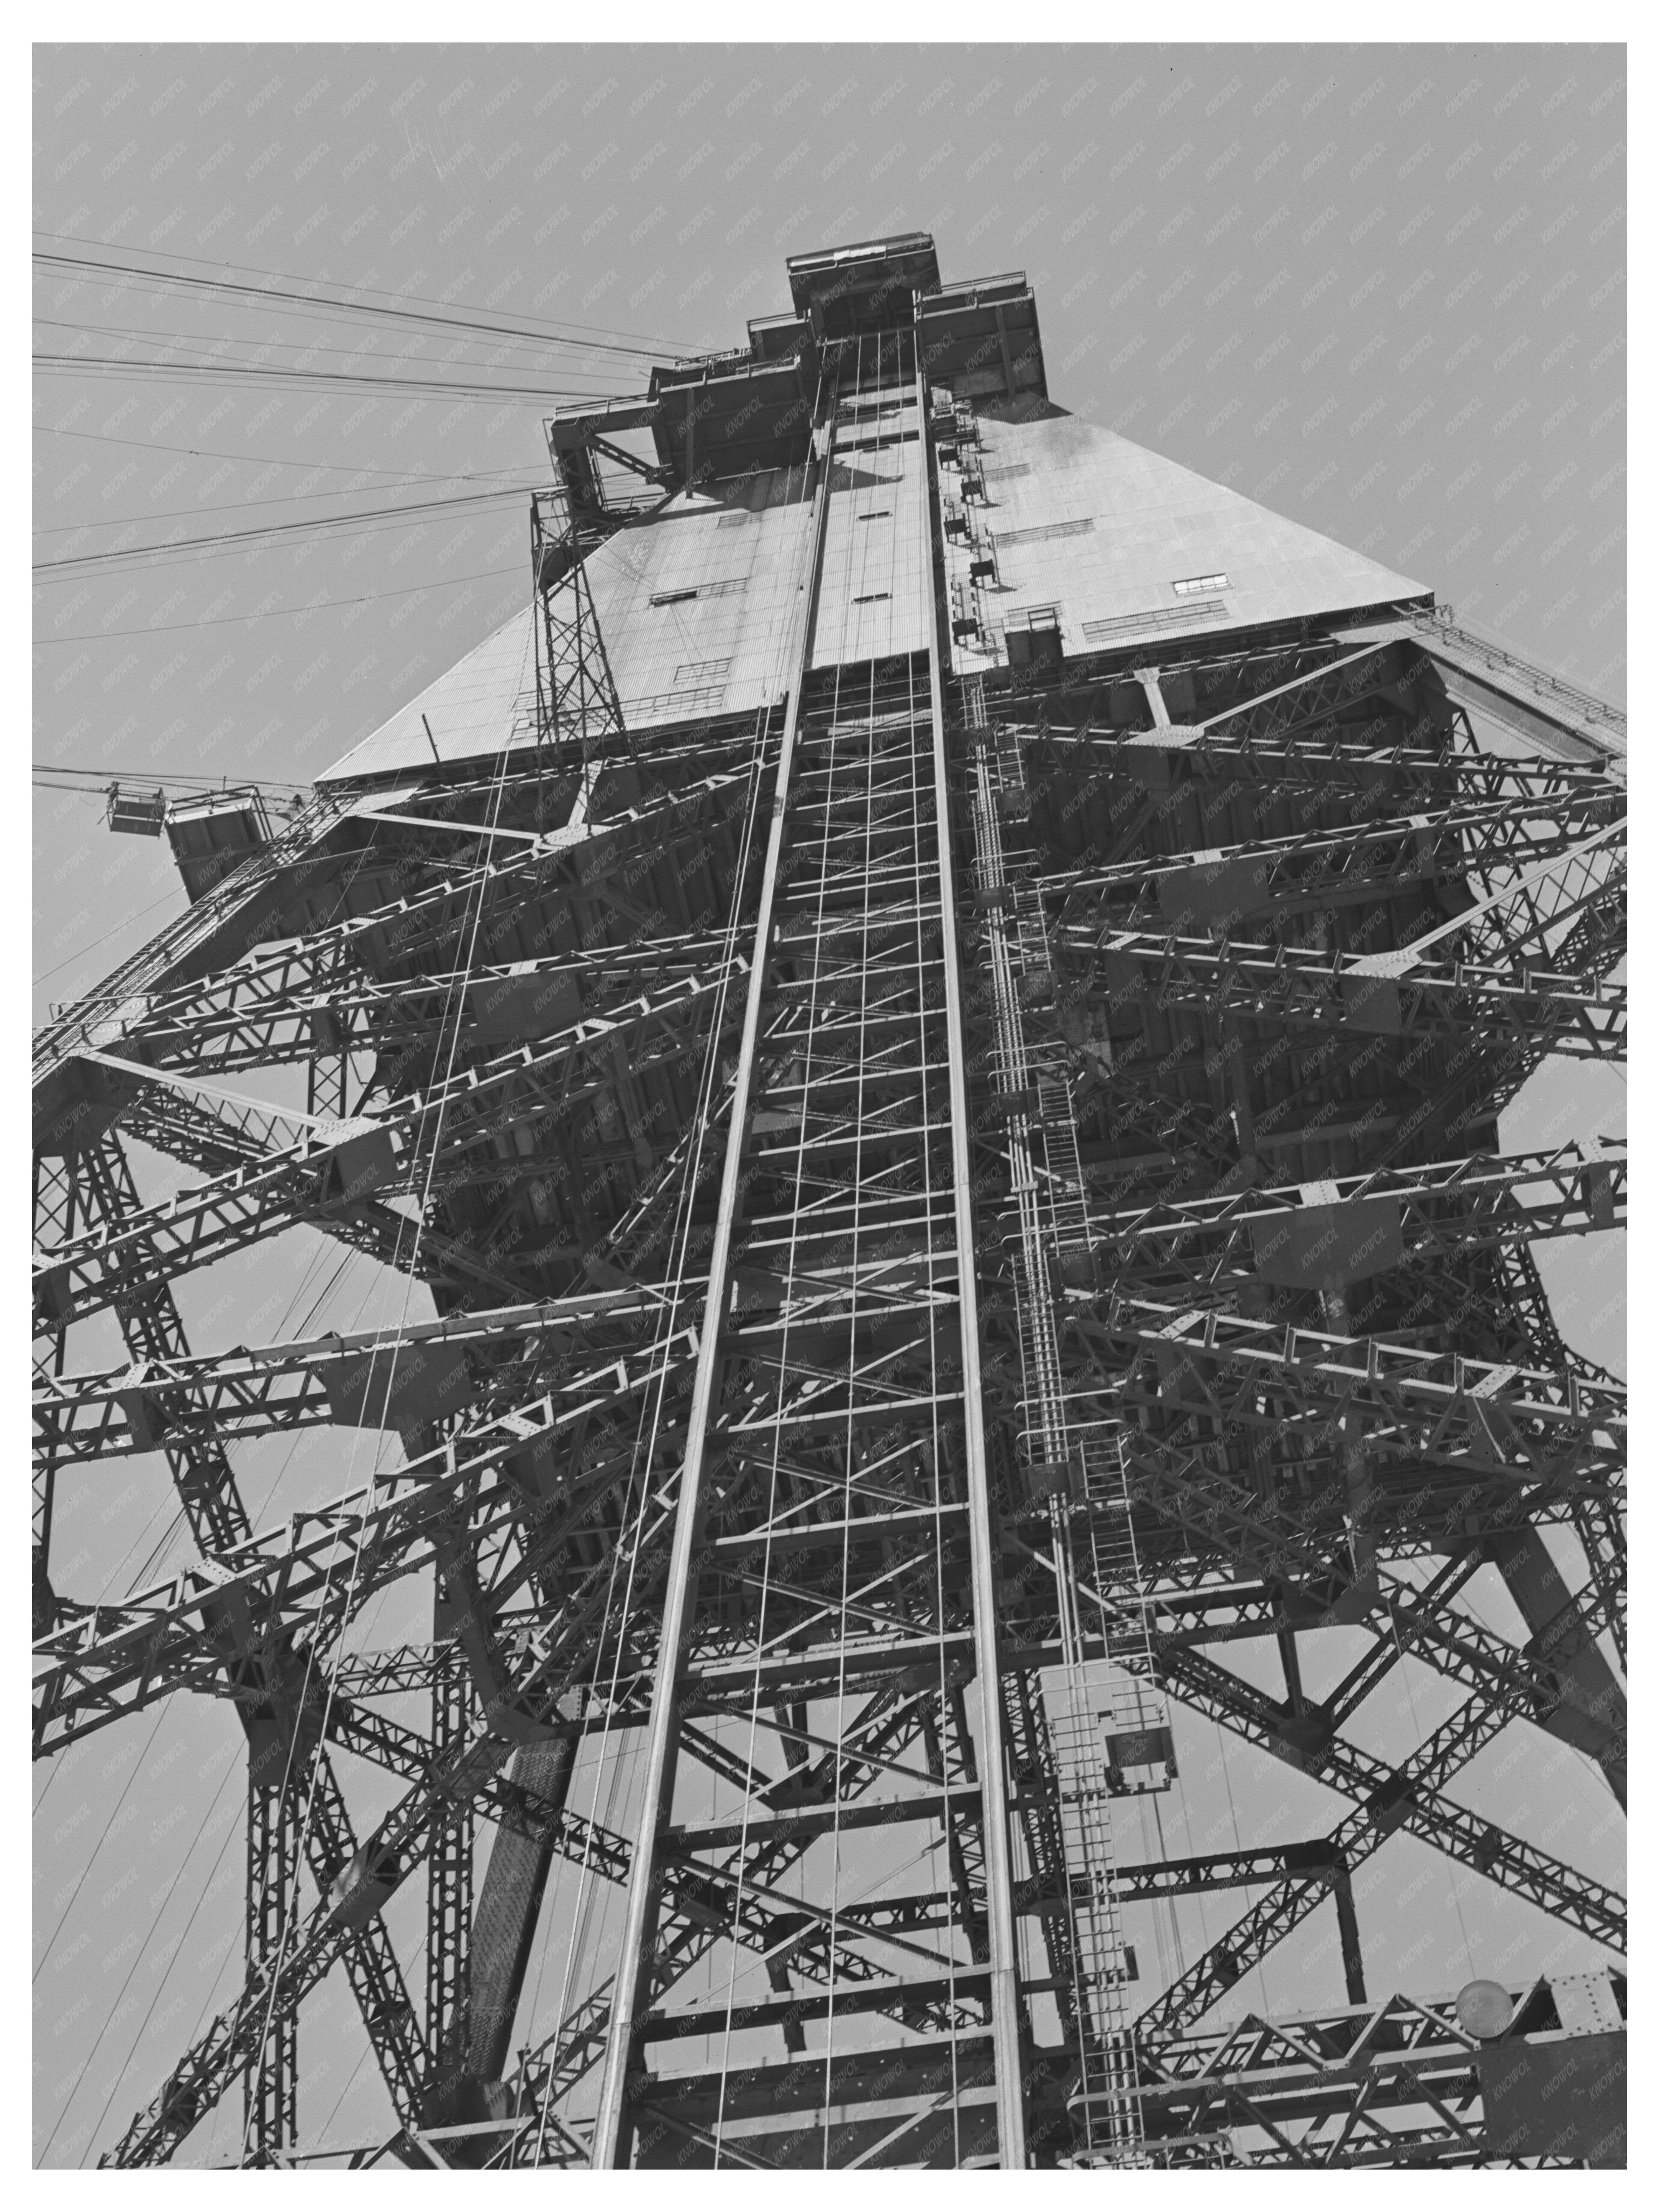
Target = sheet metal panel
(1509,715)
(694,606)
(869,604)
(1084,520)
(489,691)
(1557,2099)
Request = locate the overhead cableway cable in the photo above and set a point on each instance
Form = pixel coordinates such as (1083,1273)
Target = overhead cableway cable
(279,499)
(250,373)
(370,516)
(273,614)
(310,350)
(588,337)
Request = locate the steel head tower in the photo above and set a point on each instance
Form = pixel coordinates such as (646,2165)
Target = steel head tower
(932,1015)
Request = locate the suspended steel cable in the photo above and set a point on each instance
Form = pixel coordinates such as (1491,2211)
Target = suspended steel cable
(789,1261)
(275,614)
(96,778)
(271,460)
(878,1150)
(318,1257)
(455,994)
(627,1996)
(100,1840)
(249,373)
(241,506)
(371,517)
(848,1440)
(215,347)
(289,290)
(114,2012)
(639,1493)
(212,346)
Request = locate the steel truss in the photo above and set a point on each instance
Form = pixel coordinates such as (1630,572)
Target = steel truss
(948,1205)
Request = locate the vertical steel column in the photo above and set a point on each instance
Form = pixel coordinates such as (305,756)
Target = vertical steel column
(1348,1925)
(998,1877)
(43,1598)
(449,1868)
(633,1964)
(509,1905)
(269,2121)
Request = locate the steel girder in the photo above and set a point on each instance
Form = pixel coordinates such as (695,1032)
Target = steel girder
(1308,1585)
(270,2116)
(1305,1875)
(1385,756)
(216,1138)
(1417,1400)
(429,906)
(578,1349)
(238,911)
(1312,696)
(294,1010)
(476,1109)
(113,1659)
(1441,1208)
(290,1785)
(579,717)
(834,1560)
(1387,2084)
(1327,867)
(1125,787)
(1411,1796)
(449,1866)
(149,1320)
(1392,994)
(844,1209)
(1599,1529)
(882,1734)
(1267,695)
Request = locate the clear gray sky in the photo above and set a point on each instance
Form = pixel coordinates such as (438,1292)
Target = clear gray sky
(1381,289)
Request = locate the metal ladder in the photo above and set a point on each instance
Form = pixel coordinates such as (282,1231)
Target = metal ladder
(1079,1464)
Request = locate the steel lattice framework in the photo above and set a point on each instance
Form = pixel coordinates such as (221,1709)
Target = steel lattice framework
(949,1202)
